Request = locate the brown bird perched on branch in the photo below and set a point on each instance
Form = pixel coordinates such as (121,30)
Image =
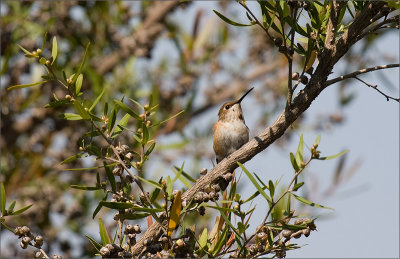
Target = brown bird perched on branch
(230,131)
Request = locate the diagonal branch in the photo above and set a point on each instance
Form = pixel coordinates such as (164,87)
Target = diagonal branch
(288,116)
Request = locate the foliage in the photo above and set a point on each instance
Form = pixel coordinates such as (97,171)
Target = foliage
(117,127)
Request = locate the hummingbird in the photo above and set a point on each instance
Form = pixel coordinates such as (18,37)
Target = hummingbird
(230,131)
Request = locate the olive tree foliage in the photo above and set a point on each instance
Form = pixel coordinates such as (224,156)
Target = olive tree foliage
(83,109)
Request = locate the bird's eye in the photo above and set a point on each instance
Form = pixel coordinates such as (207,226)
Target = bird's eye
(227,107)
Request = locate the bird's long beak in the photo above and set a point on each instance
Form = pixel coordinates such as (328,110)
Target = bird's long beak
(241,98)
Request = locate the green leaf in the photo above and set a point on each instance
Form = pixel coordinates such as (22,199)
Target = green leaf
(83,169)
(23,86)
(112,119)
(17,212)
(318,139)
(127,110)
(125,205)
(151,182)
(227,20)
(271,188)
(3,199)
(254,195)
(97,100)
(145,134)
(173,116)
(296,167)
(310,203)
(169,186)
(150,149)
(255,183)
(121,125)
(78,84)
(86,188)
(81,65)
(230,223)
(11,207)
(99,206)
(70,116)
(154,195)
(241,227)
(110,176)
(221,241)
(299,153)
(105,238)
(187,176)
(116,205)
(58,103)
(44,40)
(24,50)
(54,50)
(297,186)
(70,159)
(137,103)
(134,216)
(334,156)
(203,239)
(81,110)
(95,244)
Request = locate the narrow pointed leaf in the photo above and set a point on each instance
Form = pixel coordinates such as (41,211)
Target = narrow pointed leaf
(95,244)
(151,182)
(70,159)
(255,183)
(105,238)
(11,207)
(175,213)
(2,199)
(294,162)
(127,110)
(299,153)
(23,86)
(318,139)
(310,203)
(44,40)
(297,186)
(110,176)
(24,50)
(203,239)
(97,100)
(334,156)
(54,50)
(81,65)
(86,188)
(78,84)
(170,118)
(81,110)
(134,216)
(227,20)
(17,212)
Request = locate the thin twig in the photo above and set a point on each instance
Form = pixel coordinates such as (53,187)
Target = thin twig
(376,88)
(359,72)
(394,19)
(256,20)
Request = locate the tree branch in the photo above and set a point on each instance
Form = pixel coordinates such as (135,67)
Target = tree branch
(376,88)
(300,104)
(359,72)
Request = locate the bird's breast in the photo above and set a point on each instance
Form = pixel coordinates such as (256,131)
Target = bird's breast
(228,137)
